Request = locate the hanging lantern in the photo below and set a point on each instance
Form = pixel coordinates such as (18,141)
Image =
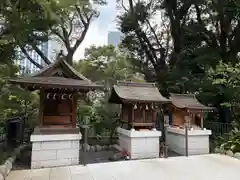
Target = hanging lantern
(135,106)
(70,96)
(152,106)
(146,107)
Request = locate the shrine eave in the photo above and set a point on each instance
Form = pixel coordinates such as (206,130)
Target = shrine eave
(189,103)
(34,83)
(133,92)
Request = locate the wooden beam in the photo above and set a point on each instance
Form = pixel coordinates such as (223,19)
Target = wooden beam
(143,124)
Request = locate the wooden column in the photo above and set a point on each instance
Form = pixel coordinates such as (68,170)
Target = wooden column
(121,116)
(143,113)
(41,107)
(74,109)
(154,113)
(201,120)
(133,117)
(191,120)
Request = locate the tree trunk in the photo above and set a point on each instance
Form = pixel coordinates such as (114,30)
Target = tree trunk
(69,58)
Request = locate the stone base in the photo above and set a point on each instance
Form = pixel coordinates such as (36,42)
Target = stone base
(140,144)
(198,141)
(53,150)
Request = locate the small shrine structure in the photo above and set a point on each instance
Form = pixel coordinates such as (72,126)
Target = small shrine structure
(139,103)
(187,111)
(55,141)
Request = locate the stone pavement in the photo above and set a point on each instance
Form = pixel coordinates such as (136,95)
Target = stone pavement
(202,167)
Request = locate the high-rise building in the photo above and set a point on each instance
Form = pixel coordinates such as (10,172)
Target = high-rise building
(114,38)
(50,49)
(24,63)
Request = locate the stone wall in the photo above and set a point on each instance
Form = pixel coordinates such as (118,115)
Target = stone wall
(140,144)
(7,166)
(58,151)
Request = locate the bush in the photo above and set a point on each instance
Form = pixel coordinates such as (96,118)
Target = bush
(231,141)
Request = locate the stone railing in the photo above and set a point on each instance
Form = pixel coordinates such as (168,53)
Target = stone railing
(228,153)
(7,166)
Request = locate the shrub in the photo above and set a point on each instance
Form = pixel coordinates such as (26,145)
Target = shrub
(231,141)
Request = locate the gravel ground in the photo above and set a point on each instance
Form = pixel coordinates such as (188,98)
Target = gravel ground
(23,162)
(96,157)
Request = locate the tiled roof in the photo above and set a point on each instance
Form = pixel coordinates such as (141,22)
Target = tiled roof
(137,92)
(187,101)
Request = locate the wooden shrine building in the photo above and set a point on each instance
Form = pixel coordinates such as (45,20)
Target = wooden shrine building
(59,85)
(139,102)
(186,119)
(55,142)
(186,105)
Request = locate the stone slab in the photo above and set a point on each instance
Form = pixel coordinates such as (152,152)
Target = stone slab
(201,167)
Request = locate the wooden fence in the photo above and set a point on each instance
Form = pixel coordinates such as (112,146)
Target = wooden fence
(218,128)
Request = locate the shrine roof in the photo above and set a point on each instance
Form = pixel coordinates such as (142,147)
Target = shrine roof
(188,101)
(136,92)
(56,75)
(55,82)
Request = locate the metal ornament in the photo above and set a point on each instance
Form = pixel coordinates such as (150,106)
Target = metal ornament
(70,96)
(63,96)
(146,107)
(54,96)
(152,106)
(48,94)
(135,106)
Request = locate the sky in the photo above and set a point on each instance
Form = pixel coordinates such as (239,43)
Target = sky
(98,31)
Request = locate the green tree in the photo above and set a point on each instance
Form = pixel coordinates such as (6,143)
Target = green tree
(107,64)
(104,64)
(15,101)
(30,23)
(197,35)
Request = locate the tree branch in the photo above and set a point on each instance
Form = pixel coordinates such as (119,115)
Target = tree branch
(80,40)
(154,33)
(80,15)
(29,58)
(40,53)
(71,25)
(66,37)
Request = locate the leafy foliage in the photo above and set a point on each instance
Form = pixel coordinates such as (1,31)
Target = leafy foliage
(15,101)
(225,78)
(104,64)
(29,23)
(231,141)
(107,64)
